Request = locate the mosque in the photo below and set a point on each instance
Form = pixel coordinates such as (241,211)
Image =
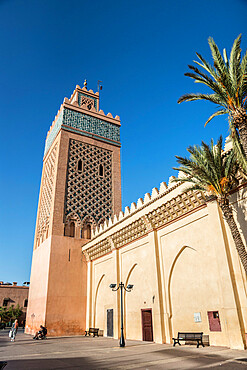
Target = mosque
(173,245)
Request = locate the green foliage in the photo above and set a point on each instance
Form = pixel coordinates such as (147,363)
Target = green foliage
(10,313)
(227,78)
(208,170)
(238,150)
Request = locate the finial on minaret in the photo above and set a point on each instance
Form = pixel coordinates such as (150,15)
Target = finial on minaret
(85,83)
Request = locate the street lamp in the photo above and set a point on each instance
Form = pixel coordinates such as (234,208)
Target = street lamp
(128,289)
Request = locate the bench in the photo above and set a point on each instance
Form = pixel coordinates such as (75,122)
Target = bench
(94,331)
(192,337)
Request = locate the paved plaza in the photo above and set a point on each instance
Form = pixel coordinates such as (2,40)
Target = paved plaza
(103,353)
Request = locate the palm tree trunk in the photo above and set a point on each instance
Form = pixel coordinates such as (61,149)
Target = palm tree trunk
(240,122)
(228,214)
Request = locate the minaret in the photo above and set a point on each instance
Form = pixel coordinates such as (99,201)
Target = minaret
(80,188)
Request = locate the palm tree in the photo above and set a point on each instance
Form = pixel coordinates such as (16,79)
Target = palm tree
(228,81)
(209,170)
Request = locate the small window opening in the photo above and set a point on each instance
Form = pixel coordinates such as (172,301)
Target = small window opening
(5,302)
(101,170)
(88,231)
(72,229)
(25,302)
(79,166)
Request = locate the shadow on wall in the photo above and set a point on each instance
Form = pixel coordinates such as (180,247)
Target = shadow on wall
(170,311)
(241,210)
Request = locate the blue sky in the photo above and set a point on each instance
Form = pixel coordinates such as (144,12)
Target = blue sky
(140,50)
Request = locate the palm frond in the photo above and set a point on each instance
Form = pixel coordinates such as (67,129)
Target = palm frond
(207,67)
(213,98)
(225,57)
(224,77)
(243,79)
(234,62)
(218,113)
(238,150)
(207,169)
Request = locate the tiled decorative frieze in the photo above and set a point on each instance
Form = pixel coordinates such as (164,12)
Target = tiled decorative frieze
(53,132)
(80,121)
(91,124)
(89,183)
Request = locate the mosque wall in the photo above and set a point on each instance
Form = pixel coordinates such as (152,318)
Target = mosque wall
(183,265)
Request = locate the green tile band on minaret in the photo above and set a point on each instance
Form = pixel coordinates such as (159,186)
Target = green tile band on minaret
(71,119)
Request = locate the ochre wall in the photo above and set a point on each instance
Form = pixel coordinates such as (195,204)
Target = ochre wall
(38,288)
(189,266)
(58,286)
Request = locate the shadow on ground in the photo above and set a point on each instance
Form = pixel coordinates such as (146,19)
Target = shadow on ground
(63,363)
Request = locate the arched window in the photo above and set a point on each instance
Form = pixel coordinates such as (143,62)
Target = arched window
(72,229)
(79,165)
(101,170)
(67,230)
(88,231)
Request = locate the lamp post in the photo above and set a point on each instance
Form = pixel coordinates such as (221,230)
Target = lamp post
(128,289)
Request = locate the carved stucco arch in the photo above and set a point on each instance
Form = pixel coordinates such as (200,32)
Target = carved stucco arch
(73,217)
(95,298)
(169,286)
(88,219)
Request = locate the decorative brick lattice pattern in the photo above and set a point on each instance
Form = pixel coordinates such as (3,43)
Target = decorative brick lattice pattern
(91,124)
(99,250)
(81,97)
(174,208)
(88,195)
(129,233)
(88,102)
(46,196)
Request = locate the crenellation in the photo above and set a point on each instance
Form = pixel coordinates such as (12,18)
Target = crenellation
(105,224)
(155,193)
(170,182)
(110,223)
(121,215)
(163,187)
(140,203)
(147,198)
(132,207)
(126,211)
(228,144)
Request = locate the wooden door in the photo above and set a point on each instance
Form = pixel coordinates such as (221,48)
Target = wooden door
(110,322)
(214,321)
(147,327)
